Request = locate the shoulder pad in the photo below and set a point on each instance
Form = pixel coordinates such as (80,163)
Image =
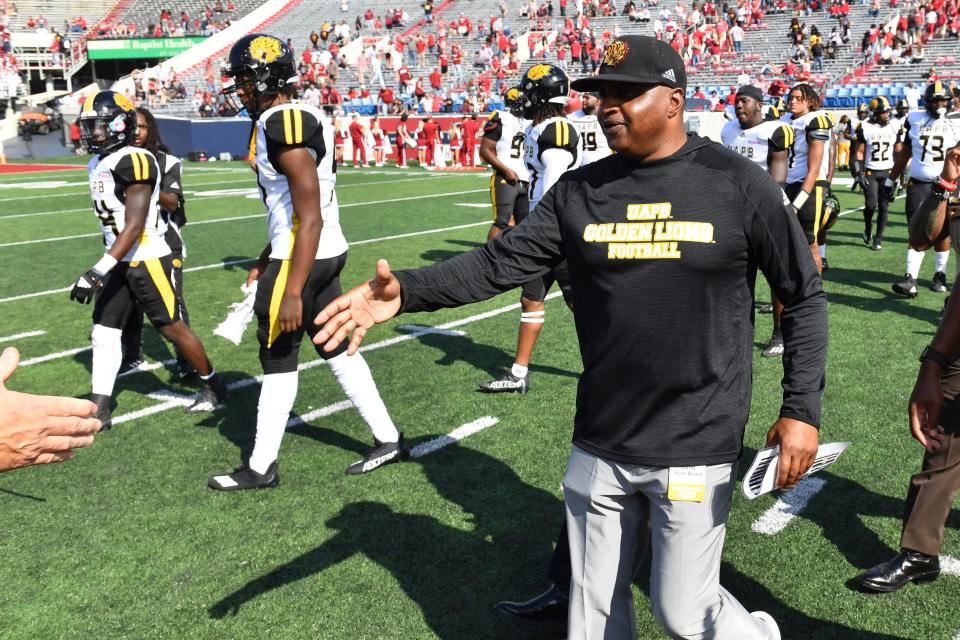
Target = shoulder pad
(782,137)
(559,134)
(820,121)
(290,127)
(136,168)
(493,127)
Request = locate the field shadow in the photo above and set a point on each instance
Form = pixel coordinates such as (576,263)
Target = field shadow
(454,574)
(489,359)
(438,255)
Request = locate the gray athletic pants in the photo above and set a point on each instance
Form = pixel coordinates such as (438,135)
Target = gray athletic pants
(613,510)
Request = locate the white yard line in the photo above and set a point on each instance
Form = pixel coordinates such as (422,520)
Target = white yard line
(322,412)
(18,336)
(453,437)
(43,213)
(950,566)
(54,356)
(170,400)
(227,263)
(788,506)
(848,211)
(21,243)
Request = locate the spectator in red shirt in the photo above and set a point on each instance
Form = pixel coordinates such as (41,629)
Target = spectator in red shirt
(385,99)
(436,80)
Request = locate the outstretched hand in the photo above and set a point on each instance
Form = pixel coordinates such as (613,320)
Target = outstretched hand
(357,310)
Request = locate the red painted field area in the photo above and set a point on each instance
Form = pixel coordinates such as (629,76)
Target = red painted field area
(30,168)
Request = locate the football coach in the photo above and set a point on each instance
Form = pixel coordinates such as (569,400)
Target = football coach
(663,241)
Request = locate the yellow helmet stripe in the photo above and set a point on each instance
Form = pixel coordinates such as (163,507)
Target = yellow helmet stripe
(938,87)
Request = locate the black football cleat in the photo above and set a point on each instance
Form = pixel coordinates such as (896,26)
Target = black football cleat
(381,454)
(907,288)
(767,308)
(774,348)
(103,410)
(877,245)
(548,608)
(905,567)
(212,395)
(243,477)
(185,370)
(131,365)
(939,282)
(507,383)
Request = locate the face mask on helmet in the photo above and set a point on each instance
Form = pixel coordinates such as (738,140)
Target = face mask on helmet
(261,66)
(107,123)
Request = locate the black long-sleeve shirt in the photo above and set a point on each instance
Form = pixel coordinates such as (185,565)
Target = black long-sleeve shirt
(663,257)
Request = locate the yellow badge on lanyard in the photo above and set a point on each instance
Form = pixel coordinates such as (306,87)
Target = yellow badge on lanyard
(687,484)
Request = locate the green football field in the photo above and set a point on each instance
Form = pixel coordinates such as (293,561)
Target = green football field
(126,541)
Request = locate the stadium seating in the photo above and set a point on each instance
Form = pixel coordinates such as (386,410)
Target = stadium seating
(147,12)
(59,14)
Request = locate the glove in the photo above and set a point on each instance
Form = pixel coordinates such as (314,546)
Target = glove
(85,288)
(887,189)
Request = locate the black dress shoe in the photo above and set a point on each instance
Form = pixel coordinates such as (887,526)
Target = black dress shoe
(907,566)
(550,607)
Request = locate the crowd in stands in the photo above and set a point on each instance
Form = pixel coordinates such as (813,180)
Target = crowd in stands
(915,24)
(171,24)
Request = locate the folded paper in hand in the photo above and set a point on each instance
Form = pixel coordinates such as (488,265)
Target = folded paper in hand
(241,313)
(761,477)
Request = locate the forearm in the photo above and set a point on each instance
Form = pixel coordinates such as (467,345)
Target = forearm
(901,158)
(169,201)
(304,254)
(805,338)
(813,166)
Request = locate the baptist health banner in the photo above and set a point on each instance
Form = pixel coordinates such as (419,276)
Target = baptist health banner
(139,48)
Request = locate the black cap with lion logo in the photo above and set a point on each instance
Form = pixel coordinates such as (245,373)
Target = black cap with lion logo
(637,60)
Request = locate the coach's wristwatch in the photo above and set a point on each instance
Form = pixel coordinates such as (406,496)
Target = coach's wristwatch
(929,353)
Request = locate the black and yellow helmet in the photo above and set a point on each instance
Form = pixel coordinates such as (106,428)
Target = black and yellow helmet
(879,105)
(903,107)
(513,98)
(775,109)
(863,110)
(543,84)
(935,92)
(108,121)
(262,64)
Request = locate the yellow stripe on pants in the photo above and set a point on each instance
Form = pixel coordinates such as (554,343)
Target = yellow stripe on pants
(276,296)
(818,206)
(160,281)
(493,195)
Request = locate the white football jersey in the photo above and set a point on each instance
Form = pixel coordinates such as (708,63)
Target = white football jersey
(819,125)
(593,144)
(297,125)
(878,141)
(110,175)
(553,133)
(929,139)
(507,130)
(756,142)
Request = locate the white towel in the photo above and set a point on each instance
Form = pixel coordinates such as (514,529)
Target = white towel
(241,313)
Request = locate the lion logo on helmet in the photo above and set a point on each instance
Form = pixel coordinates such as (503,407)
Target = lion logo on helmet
(539,71)
(265,49)
(615,53)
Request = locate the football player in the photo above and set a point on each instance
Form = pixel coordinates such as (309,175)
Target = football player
(876,139)
(298,271)
(924,139)
(810,165)
(502,148)
(768,143)
(593,144)
(551,147)
(125,189)
(850,135)
(173,216)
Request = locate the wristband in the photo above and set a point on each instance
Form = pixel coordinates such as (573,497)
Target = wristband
(800,200)
(946,185)
(888,183)
(105,264)
(929,353)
